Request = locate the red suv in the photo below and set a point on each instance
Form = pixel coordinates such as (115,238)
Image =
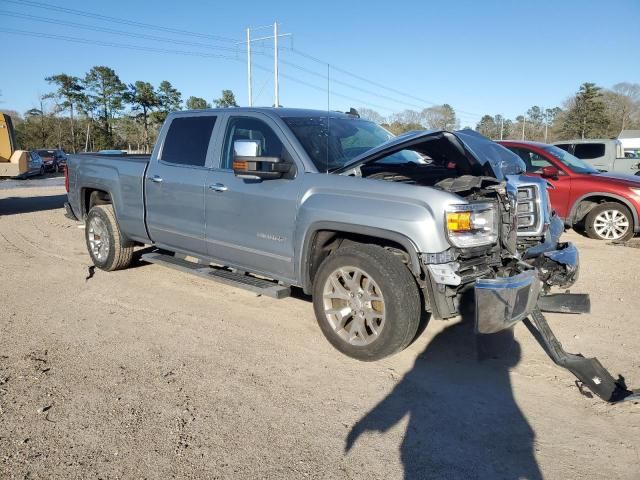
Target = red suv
(605,204)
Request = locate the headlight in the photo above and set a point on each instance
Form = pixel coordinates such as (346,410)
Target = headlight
(635,190)
(471,225)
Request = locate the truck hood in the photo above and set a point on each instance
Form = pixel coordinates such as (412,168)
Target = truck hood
(469,150)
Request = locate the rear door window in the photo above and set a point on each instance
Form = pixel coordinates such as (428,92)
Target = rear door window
(187,140)
(589,150)
(564,146)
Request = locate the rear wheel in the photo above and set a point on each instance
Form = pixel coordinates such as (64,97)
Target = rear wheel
(107,247)
(366,302)
(609,221)
(42,170)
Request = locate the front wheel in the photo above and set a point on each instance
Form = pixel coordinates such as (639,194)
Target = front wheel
(108,249)
(609,221)
(366,302)
(42,171)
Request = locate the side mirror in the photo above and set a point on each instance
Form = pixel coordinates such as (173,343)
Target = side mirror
(248,162)
(550,172)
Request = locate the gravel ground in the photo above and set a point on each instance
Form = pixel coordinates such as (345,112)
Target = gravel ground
(151,373)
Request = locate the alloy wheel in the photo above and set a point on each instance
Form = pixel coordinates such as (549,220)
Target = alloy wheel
(611,224)
(98,238)
(354,305)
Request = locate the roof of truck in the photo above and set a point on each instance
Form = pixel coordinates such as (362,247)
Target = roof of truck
(282,111)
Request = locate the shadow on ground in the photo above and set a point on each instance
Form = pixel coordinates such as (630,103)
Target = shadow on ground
(16,205)
(463,420)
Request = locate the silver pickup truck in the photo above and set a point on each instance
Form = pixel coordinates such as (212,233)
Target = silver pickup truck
(376,228)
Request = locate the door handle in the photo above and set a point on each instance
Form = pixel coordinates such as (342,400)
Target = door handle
(218,187)
(156,179)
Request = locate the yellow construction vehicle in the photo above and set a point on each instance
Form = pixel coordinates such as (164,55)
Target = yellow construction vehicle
(13,163)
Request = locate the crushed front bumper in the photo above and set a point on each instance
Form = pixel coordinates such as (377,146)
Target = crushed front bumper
(501,302)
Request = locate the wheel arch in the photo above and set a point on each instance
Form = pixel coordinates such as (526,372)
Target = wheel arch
(584,204)
(322,238)
(90,196)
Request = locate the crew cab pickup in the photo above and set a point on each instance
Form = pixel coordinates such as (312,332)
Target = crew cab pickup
(373,227)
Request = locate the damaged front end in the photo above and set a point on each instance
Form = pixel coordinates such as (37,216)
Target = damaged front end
(524,293)
(505,248)
(512,280)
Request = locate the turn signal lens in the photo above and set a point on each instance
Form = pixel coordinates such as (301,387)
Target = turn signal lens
(472,224)
(240,165)
(458,221)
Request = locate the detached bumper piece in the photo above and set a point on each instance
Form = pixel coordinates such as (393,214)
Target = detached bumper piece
(589,371)
(502,302)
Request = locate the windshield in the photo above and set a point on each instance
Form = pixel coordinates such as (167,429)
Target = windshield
(572,163)
(344,139)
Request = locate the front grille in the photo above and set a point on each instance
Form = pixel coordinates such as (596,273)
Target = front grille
(529,214)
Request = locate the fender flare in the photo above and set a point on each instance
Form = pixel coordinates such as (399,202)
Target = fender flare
(381,233)
(613,196)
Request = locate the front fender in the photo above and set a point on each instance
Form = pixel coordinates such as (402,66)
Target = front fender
(411,225)
(303,265)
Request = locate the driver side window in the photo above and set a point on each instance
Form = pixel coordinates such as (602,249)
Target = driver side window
(247,128)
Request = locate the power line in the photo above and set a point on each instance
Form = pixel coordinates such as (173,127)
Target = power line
(177,52)
(359,88)
(123,21)
(333,93)
(119,32)
(81,13)
(377,84)
(115,45)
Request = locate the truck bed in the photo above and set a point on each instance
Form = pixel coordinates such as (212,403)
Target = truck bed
(120,175)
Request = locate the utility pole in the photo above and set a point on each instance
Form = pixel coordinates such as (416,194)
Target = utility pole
(276,89)
(524,122)
(248,41)
(249,80)
(546,127)
(501,126)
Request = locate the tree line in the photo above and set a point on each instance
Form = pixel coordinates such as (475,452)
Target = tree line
(592,112)
(100,111)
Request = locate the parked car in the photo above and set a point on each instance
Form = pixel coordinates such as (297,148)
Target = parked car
(606,205)
(606,155)
(374,228)
(54,159)
(35,165)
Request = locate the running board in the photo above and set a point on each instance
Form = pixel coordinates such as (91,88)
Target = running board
(257,285)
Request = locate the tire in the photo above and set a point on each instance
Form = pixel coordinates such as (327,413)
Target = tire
(597,224)
(366,329)
(42,171)
(107,247)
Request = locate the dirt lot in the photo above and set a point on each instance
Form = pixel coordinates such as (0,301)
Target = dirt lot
(150,373)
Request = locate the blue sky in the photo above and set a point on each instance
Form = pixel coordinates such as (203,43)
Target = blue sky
(480,57)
